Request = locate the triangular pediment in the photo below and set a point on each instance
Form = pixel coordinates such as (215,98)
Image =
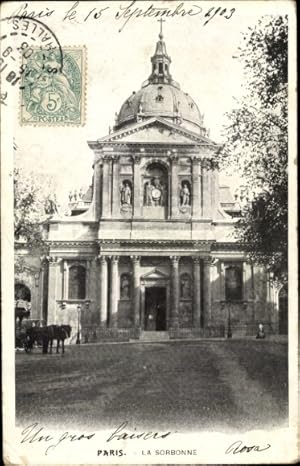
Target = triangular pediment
(154,275)
(155,131)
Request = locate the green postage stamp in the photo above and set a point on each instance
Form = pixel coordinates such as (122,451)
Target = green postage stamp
(53,88)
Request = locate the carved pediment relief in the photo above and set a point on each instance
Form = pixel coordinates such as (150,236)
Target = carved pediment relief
(155,130)
(155,274)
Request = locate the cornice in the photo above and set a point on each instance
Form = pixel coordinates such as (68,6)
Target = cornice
(139,242)
(221,246)
(72,244)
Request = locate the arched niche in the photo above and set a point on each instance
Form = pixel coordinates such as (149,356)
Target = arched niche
(185,286)
(126,191)
(283,310)
(125,286)
(185,194)
(22,292)
(155,190)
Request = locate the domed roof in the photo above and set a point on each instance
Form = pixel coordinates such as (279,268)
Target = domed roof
(161,96)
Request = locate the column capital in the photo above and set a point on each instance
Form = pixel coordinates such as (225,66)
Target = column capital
(101,258)
(135,259)
(196,260)
(136,158)
(175,260)
(108,157)
(209,260)
(196,159)
(114,259)
(53,260)
(174,158)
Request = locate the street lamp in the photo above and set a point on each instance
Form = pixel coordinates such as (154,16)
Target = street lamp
(78,324)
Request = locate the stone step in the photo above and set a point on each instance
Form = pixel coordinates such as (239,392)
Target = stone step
(154,336)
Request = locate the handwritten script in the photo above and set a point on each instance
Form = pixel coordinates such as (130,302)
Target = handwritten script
(238,447)
(128,12)
(35,434)
(121,434)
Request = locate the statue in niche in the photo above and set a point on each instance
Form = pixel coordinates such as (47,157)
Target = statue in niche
(126,194)
(185,290)
(125,287)
(148,193)
(185,195)
(154,192)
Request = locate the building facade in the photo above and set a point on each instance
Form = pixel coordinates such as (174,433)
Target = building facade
(152,249)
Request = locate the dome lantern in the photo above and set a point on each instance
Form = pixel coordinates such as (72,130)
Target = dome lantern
(161,96)
(160,62)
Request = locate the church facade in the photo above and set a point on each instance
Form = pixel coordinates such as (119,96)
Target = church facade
(152,249)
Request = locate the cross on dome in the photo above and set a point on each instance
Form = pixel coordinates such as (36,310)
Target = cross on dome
(161,30)
(160,61)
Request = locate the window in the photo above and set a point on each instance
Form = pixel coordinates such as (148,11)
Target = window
(160,68)
(77,278)
(233,283)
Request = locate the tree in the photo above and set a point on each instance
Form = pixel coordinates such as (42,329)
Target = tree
(34,204)
(256,142)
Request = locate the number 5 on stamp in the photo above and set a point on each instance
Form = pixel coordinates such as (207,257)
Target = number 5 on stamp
(53,90)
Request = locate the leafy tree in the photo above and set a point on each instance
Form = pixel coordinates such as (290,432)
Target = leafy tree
(256,142)
(34,204)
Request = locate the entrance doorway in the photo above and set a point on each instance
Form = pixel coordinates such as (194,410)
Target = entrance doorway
(155,309)
(283,311)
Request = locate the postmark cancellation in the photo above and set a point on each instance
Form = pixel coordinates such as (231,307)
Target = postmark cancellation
(53,87)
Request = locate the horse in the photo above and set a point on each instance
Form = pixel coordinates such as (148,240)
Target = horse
(39,335)
(46,335)
(58,333)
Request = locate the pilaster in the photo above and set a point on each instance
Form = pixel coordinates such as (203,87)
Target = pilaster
(116,186)
(114,292)
(103,291)
(174,185)
(136,290)
(206,290)
(206,190)
(197,293)
(196,187)
(106,186)
(175,291)
(137,186)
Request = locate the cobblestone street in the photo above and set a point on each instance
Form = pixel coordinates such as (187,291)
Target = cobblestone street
(203,385)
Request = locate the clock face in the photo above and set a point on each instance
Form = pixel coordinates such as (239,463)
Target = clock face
(156,194)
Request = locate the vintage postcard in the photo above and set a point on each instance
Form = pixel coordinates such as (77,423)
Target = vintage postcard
(149,253)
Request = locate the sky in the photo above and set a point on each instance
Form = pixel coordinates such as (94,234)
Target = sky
(118,63)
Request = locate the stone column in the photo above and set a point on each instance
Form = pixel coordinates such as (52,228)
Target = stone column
(116,187)
(103,291)
(114,292)
(136,186)
(136,291)
(222,281)
(42,290)
(206,191)
(196,187)
(174,185)
(65,280)
(206,290)
(197,293)
(175,291)
(52,290)
(106,186)
(97,189)
(88,280)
